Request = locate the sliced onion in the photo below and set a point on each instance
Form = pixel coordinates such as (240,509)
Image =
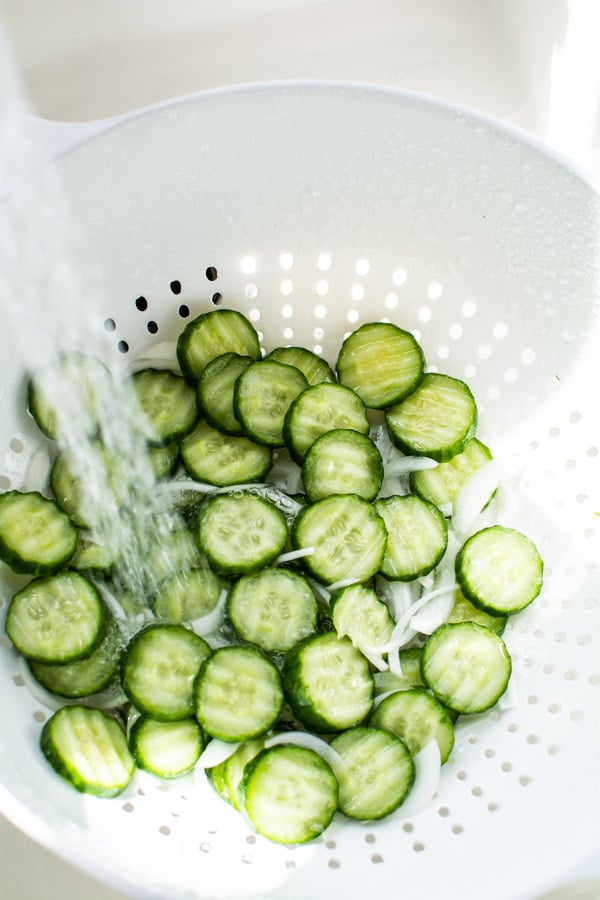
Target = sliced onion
(216,752)
(403,631)
(434,613)
(36,475)
(427,779)
(404,465)
(309,742)
(342,583)
(474,495)
(294,554)
(212,620)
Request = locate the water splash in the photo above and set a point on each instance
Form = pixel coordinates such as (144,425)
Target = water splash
(47,312)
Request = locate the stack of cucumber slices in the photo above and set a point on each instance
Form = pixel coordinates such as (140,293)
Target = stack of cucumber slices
(317,620)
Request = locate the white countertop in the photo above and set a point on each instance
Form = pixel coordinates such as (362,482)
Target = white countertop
(531,63)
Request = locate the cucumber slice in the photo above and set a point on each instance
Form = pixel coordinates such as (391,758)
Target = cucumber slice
(223,459)
(164,459)
(274,608)
(80,378)
(381,362)
(499,570)
(215,391)
(465,611)
(159,668)
(290,794)
(328,683)
(238,694)
(188,594)
(233,769)
(436,420)
(240,532)
(68,484)
(375,773)
(417,537)
(416,717)
(347,534)
(168,403)
(89,749)
(342,462)
(262,396)
(315,368)
(166,749)
(467,666)
(321,408)
(442,484)
(56,619)
(210,335)
(216,778)
(84,676)
(36,536)
(358,613)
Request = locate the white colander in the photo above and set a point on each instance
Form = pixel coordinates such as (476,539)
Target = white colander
(313,208)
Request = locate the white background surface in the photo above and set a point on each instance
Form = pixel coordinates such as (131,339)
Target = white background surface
(532,63)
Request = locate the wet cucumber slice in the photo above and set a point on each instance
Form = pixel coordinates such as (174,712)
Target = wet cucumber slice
(210,335)
(88,748)
(238,694)
(417,536)
(84,676)
(314,368)
(274,608)
(442,484)
(319,409)
(499,570)
(382,363)
(328,683)
(168,403)
(56,619)
(342,461)
(166,749)
(436,420)
(375,772)
(216,389)
(347,535)
(240,532)
(467,666)
(289,794)
(159,668)
(262,396)
(223,459)
(416,717)
(36,536)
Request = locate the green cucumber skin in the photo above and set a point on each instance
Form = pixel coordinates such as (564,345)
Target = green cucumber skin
(315,821)
(398,714)
(22,566)
(297,690)
(244,341)
(63,767)
(355,788)
(26,593)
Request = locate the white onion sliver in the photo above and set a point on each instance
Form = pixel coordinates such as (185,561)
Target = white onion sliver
(404,465)
(216,752)
(474,494)
(427,779)
(309,742)
(435,613)
(342,583)
(294,554)
(394,662)
(36,474)
(210,621)
(402,628)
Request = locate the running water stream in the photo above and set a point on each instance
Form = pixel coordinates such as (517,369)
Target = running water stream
(46,313)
